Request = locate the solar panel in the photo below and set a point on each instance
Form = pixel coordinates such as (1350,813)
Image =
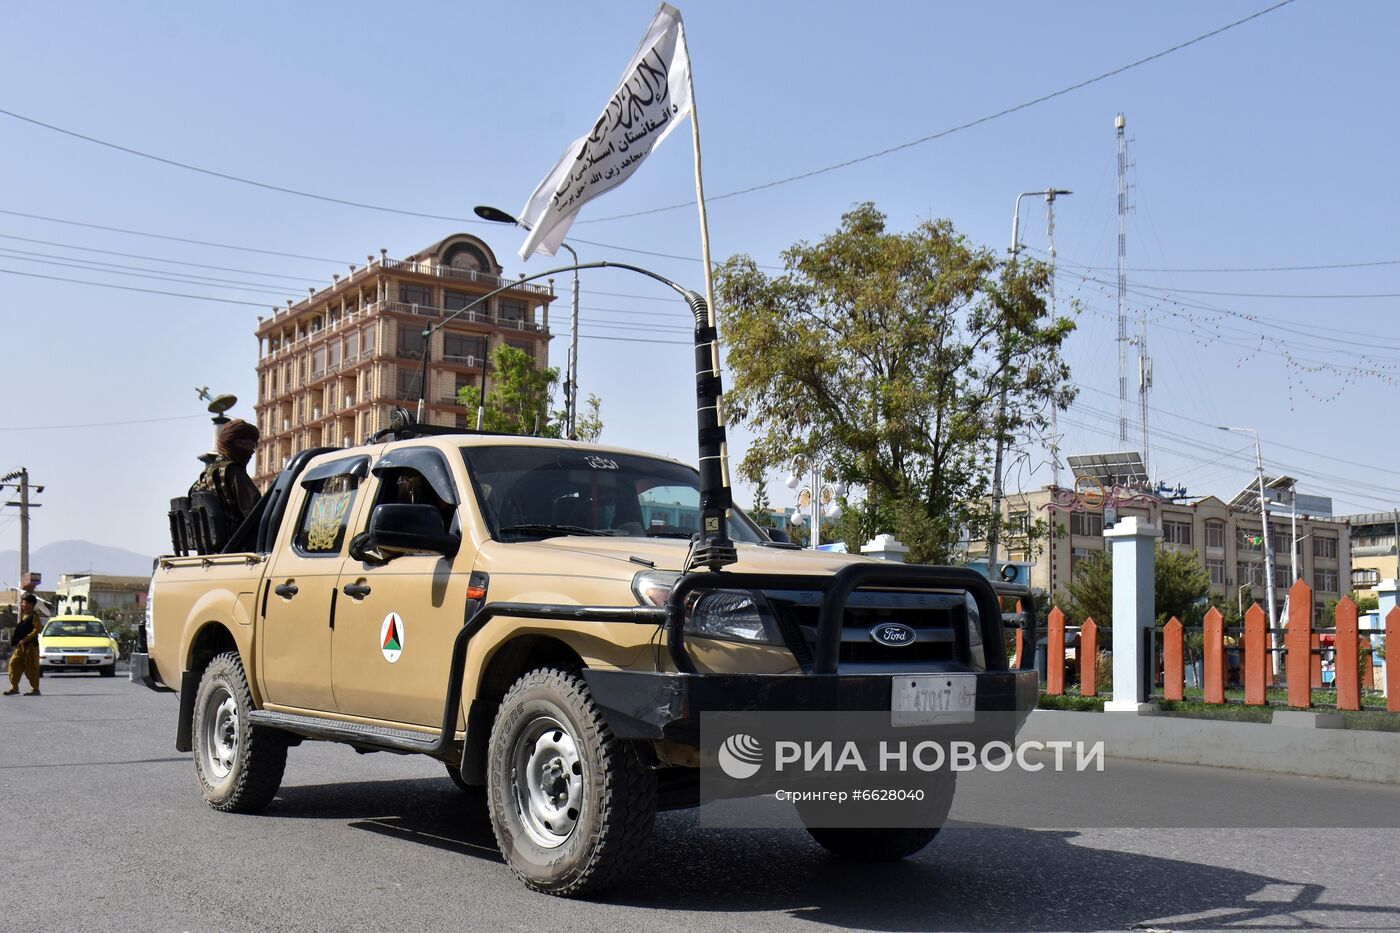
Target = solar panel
(1120,468)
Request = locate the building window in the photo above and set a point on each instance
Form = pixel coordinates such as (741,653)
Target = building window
(510,310)
(333,356)
(1283,576)
(1018,524)
(1216,568)
(1365,577)
(407,382)
(455,301)
(1215,533)
(460,346)
(352,346)
(1325,548)
(415,295)
(524,346)
(318,361)
(1249,573)
(412,343)
(1086,523)
(368,336)
(1249,539)
(1176,532)
(1326,580)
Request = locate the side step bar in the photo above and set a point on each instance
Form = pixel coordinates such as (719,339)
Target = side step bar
(335,730)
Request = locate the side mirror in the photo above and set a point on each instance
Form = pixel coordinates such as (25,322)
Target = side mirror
(778,536)
(397,529)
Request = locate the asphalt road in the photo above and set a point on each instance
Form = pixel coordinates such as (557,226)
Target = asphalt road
(104,829)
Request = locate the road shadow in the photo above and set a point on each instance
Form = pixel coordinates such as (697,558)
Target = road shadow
(969,878)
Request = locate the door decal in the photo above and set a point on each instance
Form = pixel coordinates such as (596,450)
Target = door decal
(391,637)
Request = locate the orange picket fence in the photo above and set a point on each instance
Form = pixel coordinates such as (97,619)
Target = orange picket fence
(1241,657)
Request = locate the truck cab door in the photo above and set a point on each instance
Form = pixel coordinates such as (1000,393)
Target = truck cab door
(398,618)
(299,598)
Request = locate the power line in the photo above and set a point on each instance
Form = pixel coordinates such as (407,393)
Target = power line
(133,288)
(175,239)
(954,129)
(1212,269)
(177,262)
(99,424)
(161,275)
(1199,291)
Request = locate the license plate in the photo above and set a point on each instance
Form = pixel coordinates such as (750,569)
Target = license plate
(933,699)
(75,659)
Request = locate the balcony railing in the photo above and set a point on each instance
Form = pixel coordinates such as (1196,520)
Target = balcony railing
(464,275)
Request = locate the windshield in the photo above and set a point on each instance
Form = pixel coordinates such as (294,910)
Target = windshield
(63,629)
(533,492)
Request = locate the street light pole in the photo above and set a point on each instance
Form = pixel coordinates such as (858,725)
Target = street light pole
(496,215)
(1268,544)
(994,532)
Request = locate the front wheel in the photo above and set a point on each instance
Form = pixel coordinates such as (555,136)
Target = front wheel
(571,804)
(239,765)
(109,671)
(877,844)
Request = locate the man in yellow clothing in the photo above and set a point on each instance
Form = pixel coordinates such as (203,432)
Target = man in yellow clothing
(25,658)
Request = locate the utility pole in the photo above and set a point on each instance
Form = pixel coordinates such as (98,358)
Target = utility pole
(1054,409)
(1268,549)
(994,532)
(19,479)
(1120,123)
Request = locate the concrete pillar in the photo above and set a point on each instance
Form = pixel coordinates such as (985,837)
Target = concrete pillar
(1134,545)
(885,547)
(1387,592)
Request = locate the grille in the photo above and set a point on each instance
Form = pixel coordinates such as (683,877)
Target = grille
(939,619)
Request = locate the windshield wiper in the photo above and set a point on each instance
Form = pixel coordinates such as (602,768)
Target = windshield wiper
(664,533)
(546,530)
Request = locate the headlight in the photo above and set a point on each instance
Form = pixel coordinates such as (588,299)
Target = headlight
(737,615)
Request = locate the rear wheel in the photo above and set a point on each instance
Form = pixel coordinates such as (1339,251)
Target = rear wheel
(239,765)
(571,804)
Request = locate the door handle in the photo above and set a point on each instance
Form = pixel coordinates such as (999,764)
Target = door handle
(355,590)
(287,590)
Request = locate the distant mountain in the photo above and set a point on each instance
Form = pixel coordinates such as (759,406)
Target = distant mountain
(62,557)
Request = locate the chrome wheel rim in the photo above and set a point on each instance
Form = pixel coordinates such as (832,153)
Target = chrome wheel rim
(220,732)
(547,779)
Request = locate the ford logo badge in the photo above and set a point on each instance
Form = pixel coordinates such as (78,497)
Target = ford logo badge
(893,634)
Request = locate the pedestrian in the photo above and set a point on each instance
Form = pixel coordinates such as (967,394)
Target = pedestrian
(25,658)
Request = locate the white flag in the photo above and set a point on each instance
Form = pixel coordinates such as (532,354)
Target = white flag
(651,99)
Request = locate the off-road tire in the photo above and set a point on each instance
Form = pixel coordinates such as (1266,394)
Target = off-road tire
(616,796)
(873,845)
(246,780)
(109,671)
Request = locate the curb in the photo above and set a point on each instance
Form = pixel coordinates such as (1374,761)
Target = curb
(1348,754)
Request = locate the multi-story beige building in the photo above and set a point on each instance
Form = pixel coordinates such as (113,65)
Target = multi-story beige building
(1226,538)
(334,365)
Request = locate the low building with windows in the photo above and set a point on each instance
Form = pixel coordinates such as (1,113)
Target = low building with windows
(1054,529)
(334,365)
(1373,549)
(93,593)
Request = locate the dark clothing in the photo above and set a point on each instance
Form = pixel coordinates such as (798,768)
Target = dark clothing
(23,630)
(228,480)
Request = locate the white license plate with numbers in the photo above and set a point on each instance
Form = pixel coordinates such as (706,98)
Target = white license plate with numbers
(933,699)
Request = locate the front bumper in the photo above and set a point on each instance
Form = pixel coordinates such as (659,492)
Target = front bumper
(75,662)
(667,706)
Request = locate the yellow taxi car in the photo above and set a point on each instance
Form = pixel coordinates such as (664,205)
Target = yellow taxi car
(77,643)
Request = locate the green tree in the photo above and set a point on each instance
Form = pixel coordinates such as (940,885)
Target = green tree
(762,510)
(520,397)
(1180,586)
(878,352)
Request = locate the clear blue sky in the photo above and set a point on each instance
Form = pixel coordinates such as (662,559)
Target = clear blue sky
(1270,145)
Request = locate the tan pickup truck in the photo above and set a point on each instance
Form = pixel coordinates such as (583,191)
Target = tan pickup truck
(540,616)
